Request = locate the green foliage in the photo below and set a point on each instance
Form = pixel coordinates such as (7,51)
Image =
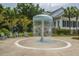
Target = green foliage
(30,34)
(62,32)
(71,12)
(75,38)
(21,34)
(29,9)
(4,31)
(19,17)
(23,23)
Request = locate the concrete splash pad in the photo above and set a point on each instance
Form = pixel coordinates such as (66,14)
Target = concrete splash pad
(35,44)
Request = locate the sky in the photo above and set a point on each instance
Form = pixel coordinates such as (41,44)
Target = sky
(46,6)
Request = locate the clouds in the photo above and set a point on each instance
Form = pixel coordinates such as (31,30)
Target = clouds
(47,6)
(51,6)
(9,4)
(54,6)
(57,4)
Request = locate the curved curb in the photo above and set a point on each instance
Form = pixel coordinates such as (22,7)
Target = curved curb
(67,46)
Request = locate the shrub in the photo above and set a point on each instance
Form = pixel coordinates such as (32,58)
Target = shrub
(21,34)
(4,31)
(1,33)
(75,38)
(62,32)
(30,34)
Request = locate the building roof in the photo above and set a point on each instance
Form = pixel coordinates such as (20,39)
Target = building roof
(56,13)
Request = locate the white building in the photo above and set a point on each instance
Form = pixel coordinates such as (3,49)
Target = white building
(62,22)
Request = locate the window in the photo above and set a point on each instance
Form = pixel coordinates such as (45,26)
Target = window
(68,24)
(78,24)
(74,23)
(71,23)
(58,23)
(54,22)
(64,23)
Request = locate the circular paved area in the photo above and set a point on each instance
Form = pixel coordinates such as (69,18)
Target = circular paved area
(7,47)
(46,44)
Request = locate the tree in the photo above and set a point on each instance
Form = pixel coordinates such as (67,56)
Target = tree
(29,9)
(23,23)
(1,16)
(19,17)
(9,17)
(76,14)
(69,13)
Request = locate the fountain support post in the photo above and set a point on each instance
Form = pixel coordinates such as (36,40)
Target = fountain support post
(42,31)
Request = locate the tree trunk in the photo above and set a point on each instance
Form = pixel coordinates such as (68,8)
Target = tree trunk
(54,26)
(70,25)
(77,25)
(58,25)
